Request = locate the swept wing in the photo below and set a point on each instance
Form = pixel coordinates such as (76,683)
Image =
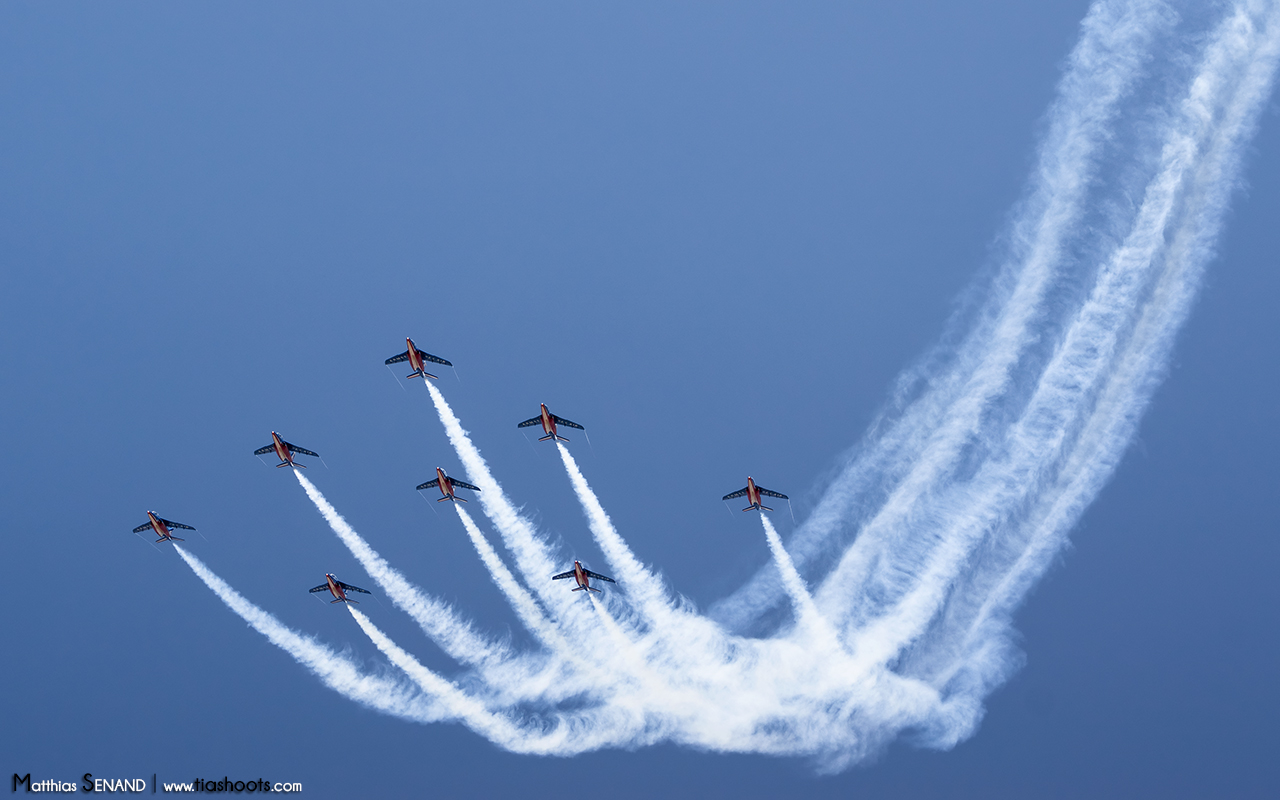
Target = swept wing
(561,421)
(293,448)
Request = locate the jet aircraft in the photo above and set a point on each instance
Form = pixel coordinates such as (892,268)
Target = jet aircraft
(284,451)
(753,493)
(161,526)
(338,589)
(447,485)
(582,575)
(417,359)
(549,422)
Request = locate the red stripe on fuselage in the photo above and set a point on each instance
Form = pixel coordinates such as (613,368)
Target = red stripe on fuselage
(159,527)
(282,452)
(334,588)
(415,358)
(446,485)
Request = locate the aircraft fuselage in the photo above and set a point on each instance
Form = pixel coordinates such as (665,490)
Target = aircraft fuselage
(446,485)
(160,528)
(548,424)
(282,450)
(336,590)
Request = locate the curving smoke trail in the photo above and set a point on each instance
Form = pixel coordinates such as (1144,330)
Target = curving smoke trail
(455,636)
(890,608)
(333,668)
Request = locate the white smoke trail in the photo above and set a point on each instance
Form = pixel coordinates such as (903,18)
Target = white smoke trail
(532,554)
(1111,58)
(806,611)
(455,636)
(933,532)
(455,702)
(642,586)
(526,607)
(335,670)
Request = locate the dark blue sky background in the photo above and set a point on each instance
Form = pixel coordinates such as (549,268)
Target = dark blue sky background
(711,233)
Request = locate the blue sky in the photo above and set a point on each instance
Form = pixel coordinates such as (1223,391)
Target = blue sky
(714,235)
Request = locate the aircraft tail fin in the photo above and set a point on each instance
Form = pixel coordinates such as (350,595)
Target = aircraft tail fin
(423,373)
(170,539)
(344,600)
(548,436)
(577,589)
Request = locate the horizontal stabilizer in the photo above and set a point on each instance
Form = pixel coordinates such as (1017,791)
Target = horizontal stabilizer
(169,539)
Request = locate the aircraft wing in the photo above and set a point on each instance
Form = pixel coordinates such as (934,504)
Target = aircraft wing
(142,527)
(435,359)
(321,588)
(397,359)
(598,576)
(173,524)
(351,588)
(740,493)
(431,484)
(464,485)
(567,423)
(529,422)
(562,575)
(264,450)
(304,451)
(768,493)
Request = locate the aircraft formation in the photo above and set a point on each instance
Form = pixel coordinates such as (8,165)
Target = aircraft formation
(448,486)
